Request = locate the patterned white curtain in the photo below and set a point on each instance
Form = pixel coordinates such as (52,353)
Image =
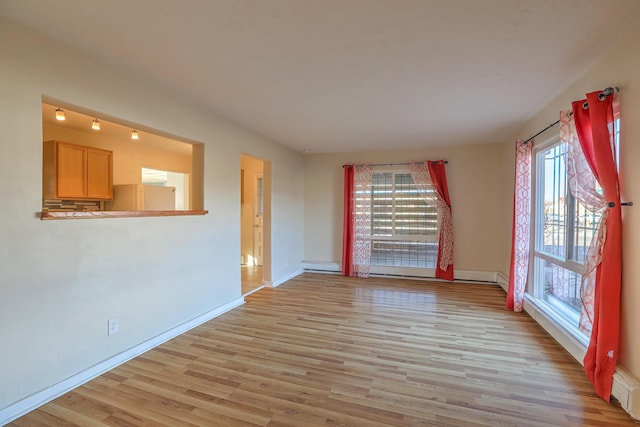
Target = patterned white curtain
(362,183)
(521,227)
(584,187)
(422,178)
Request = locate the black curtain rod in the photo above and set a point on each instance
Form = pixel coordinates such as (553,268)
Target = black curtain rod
(542,131)
(391,164)
(605,92)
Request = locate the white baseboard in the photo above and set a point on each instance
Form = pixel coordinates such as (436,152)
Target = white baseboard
(322,266)
(503,281)
(280,281)
(21,407)
(626,389)
(460,275)
(476,276)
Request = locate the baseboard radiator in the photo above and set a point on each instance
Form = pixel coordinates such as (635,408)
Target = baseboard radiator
(470,276)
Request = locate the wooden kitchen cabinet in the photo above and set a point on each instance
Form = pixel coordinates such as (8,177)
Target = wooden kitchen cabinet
(71,171)
(99,174)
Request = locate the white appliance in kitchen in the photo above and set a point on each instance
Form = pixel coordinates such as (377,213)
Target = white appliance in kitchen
(139,197)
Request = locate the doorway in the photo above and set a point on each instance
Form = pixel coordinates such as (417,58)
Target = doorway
(252,214)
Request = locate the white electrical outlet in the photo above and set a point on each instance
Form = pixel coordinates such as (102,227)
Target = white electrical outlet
(114,327)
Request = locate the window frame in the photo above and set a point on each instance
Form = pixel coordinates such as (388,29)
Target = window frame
(427,238)
(552,306)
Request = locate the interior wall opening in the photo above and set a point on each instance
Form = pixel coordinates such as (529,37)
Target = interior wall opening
(92,163)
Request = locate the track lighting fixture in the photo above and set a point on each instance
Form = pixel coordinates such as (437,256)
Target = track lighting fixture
(134,134)
(59,114)
(95,125)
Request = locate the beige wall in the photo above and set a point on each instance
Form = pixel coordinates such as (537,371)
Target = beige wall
(474,174)
(60,281)
(620,67)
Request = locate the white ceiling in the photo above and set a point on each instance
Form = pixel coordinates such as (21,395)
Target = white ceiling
(349,75)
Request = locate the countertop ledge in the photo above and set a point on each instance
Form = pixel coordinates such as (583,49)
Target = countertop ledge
(48,215)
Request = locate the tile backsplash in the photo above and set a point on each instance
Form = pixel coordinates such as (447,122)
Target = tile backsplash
(71,205)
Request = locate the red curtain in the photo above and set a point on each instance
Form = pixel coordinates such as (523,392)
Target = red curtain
(594,126)
(347,224)
(439,179)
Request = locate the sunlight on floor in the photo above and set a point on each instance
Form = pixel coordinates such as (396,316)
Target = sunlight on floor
(251,276)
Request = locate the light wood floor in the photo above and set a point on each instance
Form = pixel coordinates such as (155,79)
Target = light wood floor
(251,277)
(323,350)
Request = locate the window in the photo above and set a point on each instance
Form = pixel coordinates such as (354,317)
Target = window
(563,232)
(404,228)
(178,180)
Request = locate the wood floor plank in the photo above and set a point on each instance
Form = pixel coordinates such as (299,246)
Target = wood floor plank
(325,350)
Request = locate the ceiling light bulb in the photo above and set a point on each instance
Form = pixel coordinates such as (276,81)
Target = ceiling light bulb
(95,125)
(59,114)
(134,134)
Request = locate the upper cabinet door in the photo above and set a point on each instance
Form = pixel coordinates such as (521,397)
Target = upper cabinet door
(99,174)
(76,172)
(71,170)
